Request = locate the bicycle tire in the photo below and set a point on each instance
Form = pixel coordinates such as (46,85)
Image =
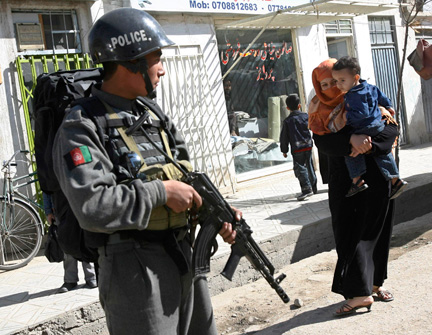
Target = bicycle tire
(20,234)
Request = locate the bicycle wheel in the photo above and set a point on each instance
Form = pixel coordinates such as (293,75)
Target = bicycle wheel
(20,234)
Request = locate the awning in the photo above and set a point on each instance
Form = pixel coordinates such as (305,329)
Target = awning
(310,14)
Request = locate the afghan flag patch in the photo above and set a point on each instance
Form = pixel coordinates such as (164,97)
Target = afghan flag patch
(78,156)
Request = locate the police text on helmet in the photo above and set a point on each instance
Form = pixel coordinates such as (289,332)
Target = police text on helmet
(127,39)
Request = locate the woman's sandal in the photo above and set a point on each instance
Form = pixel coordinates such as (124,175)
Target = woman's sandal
(348,310)
(356,188)
(383,295)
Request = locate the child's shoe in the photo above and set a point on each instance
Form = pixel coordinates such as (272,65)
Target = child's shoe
(356,188)
(397,188)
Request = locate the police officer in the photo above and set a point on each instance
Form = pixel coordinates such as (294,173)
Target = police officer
(138,224)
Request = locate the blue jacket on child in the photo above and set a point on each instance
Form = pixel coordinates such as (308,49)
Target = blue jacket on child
(295,132)
(361,104)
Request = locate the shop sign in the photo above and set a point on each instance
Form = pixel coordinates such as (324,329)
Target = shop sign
(217,6)
(268,53)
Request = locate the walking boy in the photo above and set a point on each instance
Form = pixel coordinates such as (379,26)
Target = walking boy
(295,132)
(364,116)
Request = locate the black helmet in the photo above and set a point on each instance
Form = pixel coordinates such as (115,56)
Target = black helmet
(125,34)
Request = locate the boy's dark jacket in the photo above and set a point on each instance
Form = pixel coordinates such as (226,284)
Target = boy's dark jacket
(295,132)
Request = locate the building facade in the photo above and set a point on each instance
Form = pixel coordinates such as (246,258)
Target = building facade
(227,77)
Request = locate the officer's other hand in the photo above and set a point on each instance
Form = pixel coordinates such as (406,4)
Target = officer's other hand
(181,196)
(227,232)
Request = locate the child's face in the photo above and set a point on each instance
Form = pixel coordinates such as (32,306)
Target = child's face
(345,79)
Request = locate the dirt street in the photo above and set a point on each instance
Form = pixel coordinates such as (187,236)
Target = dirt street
(256,309)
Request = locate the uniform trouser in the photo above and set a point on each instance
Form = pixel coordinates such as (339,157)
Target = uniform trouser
(142,292)
(304,169)
(70,266)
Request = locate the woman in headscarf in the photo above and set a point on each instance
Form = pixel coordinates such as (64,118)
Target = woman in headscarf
(328,98)
(362,225)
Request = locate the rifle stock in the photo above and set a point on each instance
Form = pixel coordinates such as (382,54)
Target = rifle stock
(213,213)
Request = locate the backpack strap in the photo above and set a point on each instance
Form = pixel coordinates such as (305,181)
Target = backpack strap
(95,110)
(156,113)
(163,134)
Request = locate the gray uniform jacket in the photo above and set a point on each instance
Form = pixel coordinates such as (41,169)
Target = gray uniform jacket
(97,200)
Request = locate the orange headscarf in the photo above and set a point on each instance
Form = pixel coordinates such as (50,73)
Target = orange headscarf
(325,101)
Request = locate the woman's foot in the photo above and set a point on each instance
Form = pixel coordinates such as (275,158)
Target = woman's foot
(381,294)
(353,304)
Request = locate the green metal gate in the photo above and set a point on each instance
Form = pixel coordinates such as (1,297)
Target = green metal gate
(28,69)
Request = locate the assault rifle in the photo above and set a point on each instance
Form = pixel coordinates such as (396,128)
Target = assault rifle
(212,214)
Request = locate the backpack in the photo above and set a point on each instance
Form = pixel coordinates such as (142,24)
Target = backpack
(53,94)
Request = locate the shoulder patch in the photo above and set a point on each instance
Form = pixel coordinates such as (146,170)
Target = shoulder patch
(78,156)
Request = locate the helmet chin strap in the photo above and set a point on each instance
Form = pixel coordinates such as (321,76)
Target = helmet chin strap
(141,67)
(151,92)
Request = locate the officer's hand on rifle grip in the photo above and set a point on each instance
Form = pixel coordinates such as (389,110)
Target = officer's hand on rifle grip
(181,196)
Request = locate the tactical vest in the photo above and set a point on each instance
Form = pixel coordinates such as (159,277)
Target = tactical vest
(111,125)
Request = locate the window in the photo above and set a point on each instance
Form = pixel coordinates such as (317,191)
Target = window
(339,27)
(340,47)
(424,33)
(43,32)
(381,31)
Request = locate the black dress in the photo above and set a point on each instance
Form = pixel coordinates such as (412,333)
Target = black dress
(362,224)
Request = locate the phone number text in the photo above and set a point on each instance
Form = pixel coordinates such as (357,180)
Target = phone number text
(233,6)
(218,5)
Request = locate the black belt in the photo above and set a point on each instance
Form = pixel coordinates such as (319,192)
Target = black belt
(168,238)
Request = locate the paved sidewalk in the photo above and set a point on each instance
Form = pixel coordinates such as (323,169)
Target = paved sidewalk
(28,295)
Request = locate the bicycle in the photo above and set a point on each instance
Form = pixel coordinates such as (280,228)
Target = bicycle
(21,228)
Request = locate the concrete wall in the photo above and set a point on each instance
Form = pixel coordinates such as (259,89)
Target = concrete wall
(312,50)
(362,47)
(8,94)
